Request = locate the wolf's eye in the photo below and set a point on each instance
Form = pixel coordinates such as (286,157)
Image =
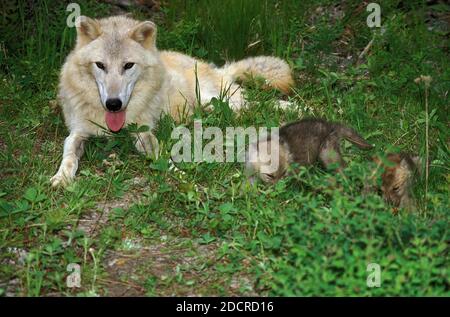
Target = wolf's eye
(100,65)
(128,66)
(396,188)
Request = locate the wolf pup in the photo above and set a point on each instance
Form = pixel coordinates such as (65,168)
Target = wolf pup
(397,179)
(304,142)
(115,76)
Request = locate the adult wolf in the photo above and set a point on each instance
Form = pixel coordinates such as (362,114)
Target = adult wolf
(115,76)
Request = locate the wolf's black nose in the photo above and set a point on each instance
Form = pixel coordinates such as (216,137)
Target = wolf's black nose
(113,104)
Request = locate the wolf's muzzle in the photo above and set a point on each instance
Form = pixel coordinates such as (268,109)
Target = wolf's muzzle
(114,104)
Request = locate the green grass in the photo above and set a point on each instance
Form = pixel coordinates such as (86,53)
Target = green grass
(157,231)
(249,27)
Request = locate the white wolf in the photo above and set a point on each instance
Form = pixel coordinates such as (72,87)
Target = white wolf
(116,76)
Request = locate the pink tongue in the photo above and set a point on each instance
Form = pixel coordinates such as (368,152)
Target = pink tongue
(115,120)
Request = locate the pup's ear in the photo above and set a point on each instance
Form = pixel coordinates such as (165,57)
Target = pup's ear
(145,34)
(87,30)
(404,164)
(412,162)
(417,160)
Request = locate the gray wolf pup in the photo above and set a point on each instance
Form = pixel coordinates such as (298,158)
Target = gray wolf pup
(304,142)
(397,178)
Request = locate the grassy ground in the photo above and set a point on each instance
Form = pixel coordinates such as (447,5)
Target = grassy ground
(138,227)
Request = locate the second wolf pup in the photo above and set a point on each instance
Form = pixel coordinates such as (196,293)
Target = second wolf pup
(304,142)
(397,178)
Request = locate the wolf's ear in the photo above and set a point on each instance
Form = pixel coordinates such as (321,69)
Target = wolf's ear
(87,30)
(404,164)
(417,160)
(145,34)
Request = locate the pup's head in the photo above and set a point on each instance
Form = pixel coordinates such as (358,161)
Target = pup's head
(117,52)
(397,178)
(267,160)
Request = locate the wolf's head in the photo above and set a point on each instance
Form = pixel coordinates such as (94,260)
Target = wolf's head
(117,52)
(397,178)
(266,159)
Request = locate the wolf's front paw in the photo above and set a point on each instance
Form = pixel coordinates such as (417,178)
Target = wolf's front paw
(60,180)
(148,145)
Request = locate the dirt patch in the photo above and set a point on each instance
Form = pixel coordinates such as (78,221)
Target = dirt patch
(91,223)
(14,258)
(167,266)
(165,269)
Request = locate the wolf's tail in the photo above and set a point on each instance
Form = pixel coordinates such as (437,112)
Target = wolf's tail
(275,71)
(350,135)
